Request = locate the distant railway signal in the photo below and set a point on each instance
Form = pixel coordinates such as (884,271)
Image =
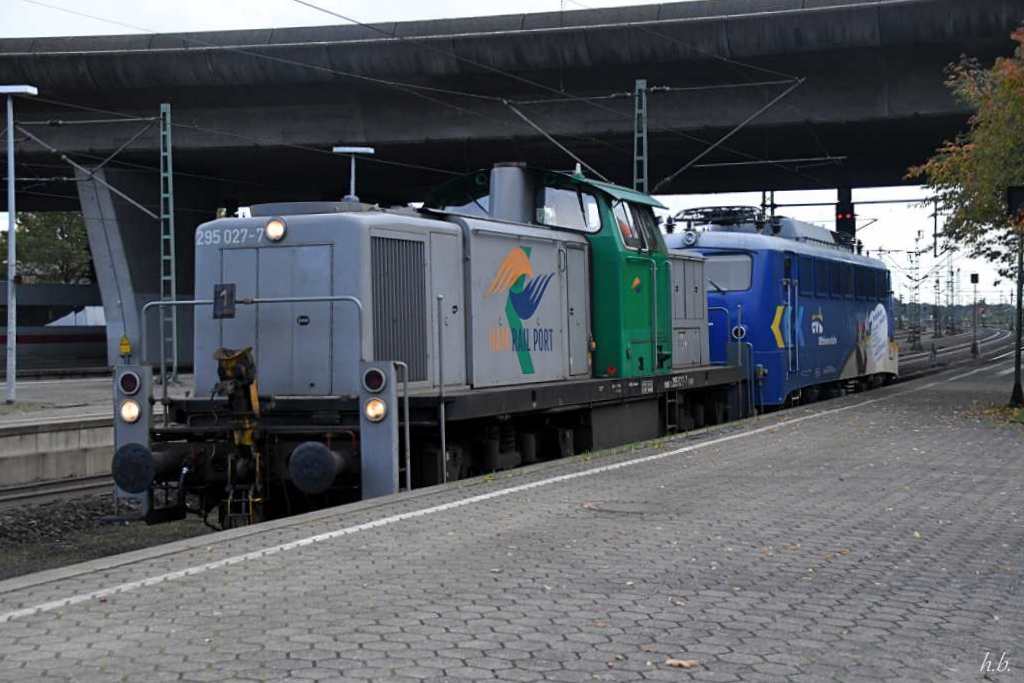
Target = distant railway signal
(846,219)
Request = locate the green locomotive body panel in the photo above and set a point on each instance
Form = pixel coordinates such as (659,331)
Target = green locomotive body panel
(630,288)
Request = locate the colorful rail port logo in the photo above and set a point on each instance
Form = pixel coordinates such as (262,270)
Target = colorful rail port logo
(525,292)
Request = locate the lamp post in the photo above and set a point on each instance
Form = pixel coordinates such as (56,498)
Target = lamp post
(352,152)
(12,91)
(1015,209)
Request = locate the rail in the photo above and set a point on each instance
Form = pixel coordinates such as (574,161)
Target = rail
(48,491)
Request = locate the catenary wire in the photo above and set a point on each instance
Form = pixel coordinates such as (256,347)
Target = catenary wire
(592,101)
(672,176)
(248,138)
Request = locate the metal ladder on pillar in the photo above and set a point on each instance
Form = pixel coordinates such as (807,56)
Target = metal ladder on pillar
(640,137)
(168,280)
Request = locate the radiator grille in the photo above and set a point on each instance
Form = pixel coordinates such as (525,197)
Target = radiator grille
(399,303)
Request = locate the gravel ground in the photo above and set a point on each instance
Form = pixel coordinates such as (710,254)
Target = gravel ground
(45,536)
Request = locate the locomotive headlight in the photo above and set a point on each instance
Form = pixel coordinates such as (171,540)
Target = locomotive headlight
(375,409)
(130,411)
(275,229)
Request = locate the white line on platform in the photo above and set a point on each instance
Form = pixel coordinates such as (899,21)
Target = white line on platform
(1007,371)
(472,500)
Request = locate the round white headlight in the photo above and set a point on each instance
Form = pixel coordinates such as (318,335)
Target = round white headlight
(130,411)
(275,229)
(375,409)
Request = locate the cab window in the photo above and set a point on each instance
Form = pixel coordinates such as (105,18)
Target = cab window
(643,219)
(632,237)
(728,272)
(563,208)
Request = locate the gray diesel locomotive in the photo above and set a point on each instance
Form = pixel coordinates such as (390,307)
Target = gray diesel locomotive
(344,351)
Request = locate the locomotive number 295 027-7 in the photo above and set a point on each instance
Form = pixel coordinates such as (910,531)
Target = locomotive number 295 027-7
(228,236)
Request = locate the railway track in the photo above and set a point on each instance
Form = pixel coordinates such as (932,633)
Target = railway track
(920,363)
(49,491)
(913,365)
(987,337)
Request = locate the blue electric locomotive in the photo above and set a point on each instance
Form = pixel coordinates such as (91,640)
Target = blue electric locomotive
(810,316)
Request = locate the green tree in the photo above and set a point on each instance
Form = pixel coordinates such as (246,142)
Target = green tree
(52,246)
(969,176)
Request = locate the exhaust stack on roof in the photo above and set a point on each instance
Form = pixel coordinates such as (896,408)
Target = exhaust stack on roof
(512,192)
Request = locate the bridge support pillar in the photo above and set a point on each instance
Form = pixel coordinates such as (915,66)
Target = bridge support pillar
(125,246)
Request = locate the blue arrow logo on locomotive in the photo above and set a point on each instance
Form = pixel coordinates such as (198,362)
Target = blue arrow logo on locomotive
(782,327)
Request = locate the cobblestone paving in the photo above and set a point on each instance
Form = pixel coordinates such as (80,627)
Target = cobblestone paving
(881,542)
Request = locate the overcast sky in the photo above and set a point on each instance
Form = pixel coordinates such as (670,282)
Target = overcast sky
(893,226)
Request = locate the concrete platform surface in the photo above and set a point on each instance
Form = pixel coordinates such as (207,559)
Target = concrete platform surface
(42,401)
(875,537)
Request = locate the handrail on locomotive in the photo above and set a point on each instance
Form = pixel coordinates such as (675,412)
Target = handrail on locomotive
(245,301)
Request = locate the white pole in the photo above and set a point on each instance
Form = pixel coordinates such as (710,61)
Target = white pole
(12,318)
(352,152)
(352,177)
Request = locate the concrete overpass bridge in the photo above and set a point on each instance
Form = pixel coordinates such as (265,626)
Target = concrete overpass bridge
(257,111)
